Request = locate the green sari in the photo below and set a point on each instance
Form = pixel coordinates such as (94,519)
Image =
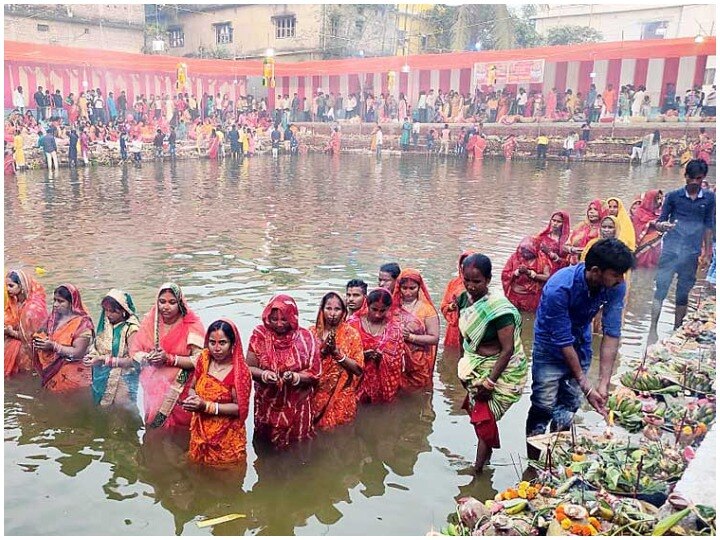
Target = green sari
(472,368)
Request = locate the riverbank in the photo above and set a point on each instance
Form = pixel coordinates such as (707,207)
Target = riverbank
(650,470)
(608,143)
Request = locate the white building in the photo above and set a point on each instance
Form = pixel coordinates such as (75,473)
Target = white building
(619,22)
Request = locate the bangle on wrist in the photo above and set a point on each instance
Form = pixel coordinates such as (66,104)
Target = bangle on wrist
(217,408)
(296,379)
(341,360)
(263,376)
(207,406)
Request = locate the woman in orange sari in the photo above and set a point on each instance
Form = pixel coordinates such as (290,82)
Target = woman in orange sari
(167,346)
(285,364)
(219,399)
(552,240)
(647,237)
(25,313)
(586,231)
(341,351)
(449,305)
(525,274)
(60,348)
(383,348)
(411,295)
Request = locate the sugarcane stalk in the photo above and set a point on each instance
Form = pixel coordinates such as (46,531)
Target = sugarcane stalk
(639,472)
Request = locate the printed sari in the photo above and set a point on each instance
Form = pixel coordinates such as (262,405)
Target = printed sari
(453,290)
(381,380)
(626,233)
(59,373)
(27,318)
(283,413)
(647,237)
(420,359)
(473,368)
(335,401)
(220,440)
(585,232)
(165,387)
(549,245)
(115,384)
(522,291)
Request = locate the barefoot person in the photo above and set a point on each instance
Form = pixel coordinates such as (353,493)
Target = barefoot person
(562,346)
(493,367)
(688,219)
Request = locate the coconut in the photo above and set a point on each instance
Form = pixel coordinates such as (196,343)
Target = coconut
(575,511)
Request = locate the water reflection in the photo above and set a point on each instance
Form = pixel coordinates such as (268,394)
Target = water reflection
(232,234)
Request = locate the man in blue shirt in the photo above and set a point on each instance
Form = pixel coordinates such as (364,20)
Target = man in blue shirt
(562,347)
(49,146)
(688,221)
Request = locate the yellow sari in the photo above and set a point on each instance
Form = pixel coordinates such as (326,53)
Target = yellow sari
(623,223)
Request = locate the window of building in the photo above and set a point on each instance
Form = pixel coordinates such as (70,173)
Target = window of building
(43,27)
(335,26)
(423,41)
(709,78)
(654,30)
(223,33)
(176,37)
(285,26)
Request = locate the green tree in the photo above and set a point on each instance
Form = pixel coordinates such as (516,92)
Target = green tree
(459,28)
(524,28)
(569,34)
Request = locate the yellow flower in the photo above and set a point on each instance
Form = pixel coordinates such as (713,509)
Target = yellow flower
(566,523)
(593,530)
(524,485)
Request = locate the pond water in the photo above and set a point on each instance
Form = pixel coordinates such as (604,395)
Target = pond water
(232,235)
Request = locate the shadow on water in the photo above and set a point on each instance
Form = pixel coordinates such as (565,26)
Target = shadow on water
(232,234)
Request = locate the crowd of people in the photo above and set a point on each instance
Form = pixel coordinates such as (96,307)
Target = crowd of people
(369,346)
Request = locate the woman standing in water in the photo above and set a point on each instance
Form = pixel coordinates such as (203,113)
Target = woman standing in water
(586,231)
(169,340)
(450,305)
(25,313)
(552,240)
(493,367)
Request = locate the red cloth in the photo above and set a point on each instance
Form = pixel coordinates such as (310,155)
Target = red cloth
(283,413)
(586,231)
(548,245)
(528,297)
(484,422)
(453,290)
(647,238)
(27,318)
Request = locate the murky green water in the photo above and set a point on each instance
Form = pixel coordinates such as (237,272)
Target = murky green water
(232,235)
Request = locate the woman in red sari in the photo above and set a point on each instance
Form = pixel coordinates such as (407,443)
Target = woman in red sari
(586,231)
(476,146)
(333,146)
(525,274)
(509,147)
(285,364)
(341,351)
(647,237)
(552,240)
(167,346)
(411,295)
(25,313)
(213,145)
(219,399)
(383,347)
(60,348)
(449,305)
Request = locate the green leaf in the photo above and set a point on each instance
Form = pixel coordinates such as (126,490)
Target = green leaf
(612,474)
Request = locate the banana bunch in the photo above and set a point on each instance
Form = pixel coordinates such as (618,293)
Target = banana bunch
(627,412)
(700,382)
(641,380)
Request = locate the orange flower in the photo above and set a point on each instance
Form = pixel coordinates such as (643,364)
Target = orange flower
(560,513)
(594,522)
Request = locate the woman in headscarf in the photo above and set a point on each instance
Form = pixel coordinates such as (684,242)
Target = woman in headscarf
(493,367)
(450,305)
(411,295)
(219,399)
(115,375)
(167,345)
(610,227)
(285,364)
(25,313)
(525,274)
(341,351)
(626,233)
(552,240)
(647,237)
(383,348)
(586,231)
(509,146)
(213,145)
(64,342)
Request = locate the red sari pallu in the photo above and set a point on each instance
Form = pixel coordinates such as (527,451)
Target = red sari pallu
(522,291)
(283,413)
(586,231)
(335,401)
(453,290)
(165,387)
(27,318)
(647,238)
(549,245)
(420,359)
(221,440)
(381,380)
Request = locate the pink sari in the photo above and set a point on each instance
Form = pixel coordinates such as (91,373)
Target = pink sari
(27,318)
(165,387)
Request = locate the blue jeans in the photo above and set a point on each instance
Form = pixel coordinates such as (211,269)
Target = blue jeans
(556,395)
(685,266)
